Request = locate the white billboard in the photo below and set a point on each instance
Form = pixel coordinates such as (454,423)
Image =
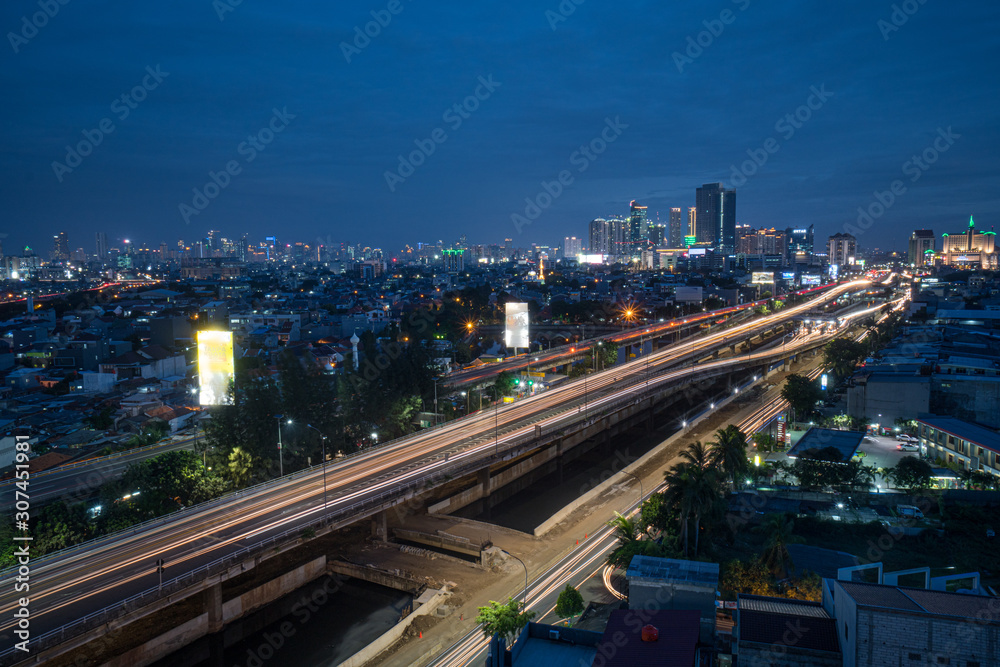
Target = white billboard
(215,367)
(590,259)
(762,278)
(811,280)
(516,334)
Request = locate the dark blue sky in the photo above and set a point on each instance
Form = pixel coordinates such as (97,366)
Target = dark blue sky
(323,176)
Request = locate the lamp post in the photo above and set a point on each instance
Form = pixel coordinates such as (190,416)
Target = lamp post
(636,477)
(525,575)
(496,419)
(281,463)
(322,439)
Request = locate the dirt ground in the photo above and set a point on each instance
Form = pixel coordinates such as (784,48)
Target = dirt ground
(474,587)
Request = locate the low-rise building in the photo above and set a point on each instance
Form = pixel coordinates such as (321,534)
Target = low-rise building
(954,441)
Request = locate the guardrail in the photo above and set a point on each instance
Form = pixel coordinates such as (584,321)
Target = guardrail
(361,509)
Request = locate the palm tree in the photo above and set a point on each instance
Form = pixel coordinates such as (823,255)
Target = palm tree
(730,453)
(692,488)
(778,530)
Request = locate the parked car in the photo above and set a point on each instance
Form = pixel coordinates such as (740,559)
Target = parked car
(907,447)
(910,511)
(903,437)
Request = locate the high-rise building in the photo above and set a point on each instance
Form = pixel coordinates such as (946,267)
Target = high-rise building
(454,260)
(657,235)
(599,237)
(572,247)
(638,229)
(60,247)
(675,229)
(842,250)
(761,241)
(102,246)
(800,244)
(921,243)
(692,229)
(716,216)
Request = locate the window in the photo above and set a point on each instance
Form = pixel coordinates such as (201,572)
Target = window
(971,663)
(914,656)
(941,660)
(847,633)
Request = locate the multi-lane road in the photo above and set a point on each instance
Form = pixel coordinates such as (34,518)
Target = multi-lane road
(69,585)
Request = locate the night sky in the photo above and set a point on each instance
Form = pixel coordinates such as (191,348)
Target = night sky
(692,114)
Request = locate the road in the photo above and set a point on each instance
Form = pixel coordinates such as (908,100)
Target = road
(565,353)
(72,584)
(77,481)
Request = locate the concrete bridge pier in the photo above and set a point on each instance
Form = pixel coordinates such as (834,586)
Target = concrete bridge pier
(213,606)
(380,530)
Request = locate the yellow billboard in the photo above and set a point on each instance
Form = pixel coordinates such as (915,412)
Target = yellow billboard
(215,367)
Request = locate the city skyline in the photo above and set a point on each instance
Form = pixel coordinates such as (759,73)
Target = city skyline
(306,136)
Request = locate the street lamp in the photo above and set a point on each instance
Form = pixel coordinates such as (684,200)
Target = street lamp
(281,463)
(636,477)
(375,437)
(525,575)
(466,394)
(322,439)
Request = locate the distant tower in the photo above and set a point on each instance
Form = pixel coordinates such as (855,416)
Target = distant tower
(541,270)
(354,349)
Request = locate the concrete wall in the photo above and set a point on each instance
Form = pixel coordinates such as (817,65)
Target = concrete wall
(393,635)
(888,638)
(163,645)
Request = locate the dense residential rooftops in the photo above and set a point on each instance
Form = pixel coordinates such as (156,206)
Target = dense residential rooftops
(764,620)
(921,601)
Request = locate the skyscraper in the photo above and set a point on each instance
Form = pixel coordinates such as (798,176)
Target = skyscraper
(692,229)
(843,250)
(572,247)
(675,229)
(60,247)
(638,231)
(921,241)
(102,246)
(716,216)
(800,244)
(600,237)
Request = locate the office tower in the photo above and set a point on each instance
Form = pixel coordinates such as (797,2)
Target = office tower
(60,247)
(102,246)
(675,229)
(572,247)
(921,243)
(842,250)
(454,260)
(800,244)
(970,249)
(657,235)
(692,221)
(716,216)
(638,231)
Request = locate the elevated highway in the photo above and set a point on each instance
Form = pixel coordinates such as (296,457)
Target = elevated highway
(82,589)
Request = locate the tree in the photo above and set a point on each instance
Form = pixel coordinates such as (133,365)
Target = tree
(778,532)
(843,354)
(765,442)
(503,618)
(802,394)
(240,467)
(569,603)
(693,489)
(730,453)
(103,420)
(911,473)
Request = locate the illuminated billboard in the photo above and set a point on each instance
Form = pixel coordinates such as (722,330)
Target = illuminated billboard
(762,278)
(516,334)
(788,275)
(811,280)
(590,259)
(215,367)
